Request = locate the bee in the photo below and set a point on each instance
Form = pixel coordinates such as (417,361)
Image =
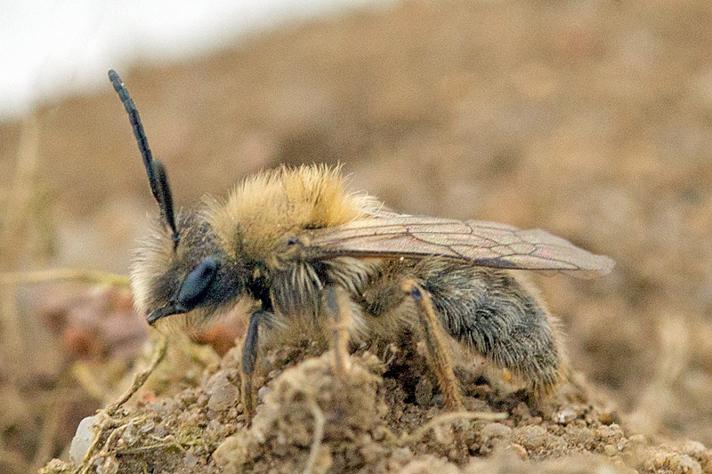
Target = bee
(316,259)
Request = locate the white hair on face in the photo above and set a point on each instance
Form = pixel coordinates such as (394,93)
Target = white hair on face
(150,260)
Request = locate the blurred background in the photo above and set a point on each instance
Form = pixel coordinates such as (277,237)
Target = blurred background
(590,118)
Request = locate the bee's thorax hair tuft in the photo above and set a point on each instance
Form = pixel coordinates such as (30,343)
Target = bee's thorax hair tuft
(268,206)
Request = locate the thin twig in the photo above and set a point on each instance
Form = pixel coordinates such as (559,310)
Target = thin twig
(21,190)
(13,238)
(47,436)
(64,274)
(164,443)
(140,378)
(159,353)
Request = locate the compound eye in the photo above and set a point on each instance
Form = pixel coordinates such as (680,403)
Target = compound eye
(197,282)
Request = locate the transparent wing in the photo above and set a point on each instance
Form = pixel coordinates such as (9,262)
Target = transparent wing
(487,244)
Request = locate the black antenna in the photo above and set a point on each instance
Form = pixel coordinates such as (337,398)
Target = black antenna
(165,199)
(157,178)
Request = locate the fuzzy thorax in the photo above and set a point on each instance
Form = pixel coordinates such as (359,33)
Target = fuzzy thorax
(267,208)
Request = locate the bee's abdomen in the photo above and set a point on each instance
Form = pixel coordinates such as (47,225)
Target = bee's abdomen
(493,313)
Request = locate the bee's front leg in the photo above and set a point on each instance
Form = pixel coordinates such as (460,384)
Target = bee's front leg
(338,307)
(250,346)
(436,343)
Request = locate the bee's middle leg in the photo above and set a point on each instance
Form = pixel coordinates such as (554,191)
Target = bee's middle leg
(250,346)
(437,345)
(338,306)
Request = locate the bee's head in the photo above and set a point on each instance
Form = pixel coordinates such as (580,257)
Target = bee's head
(181,266)
(196,274)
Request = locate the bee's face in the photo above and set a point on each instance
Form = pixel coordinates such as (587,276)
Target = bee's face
(197,274)
(181,266)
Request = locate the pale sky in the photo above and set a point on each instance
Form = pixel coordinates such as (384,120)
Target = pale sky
(52,47)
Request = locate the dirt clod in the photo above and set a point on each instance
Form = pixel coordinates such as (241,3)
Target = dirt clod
(311,420)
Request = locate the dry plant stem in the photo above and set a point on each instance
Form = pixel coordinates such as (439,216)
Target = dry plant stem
(12,242)
(437,345)
(319,421)
(12,232)
(161,443)
(112,439)
(339,307)
(449,418)
(140,378)
(50,427)
(64,274)
(22,187)
(12,345)
(159,353)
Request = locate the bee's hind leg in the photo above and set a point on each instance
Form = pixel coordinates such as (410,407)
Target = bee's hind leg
(436,343)
(250,347)
(338,307)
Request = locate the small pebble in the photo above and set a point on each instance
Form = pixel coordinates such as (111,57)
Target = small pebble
(160,430)
(496,430)
(519,451)
(147,427)
(693,448)
(109,466)
(531,437)
(82,439)
(610,450)
(190,460)
(402,454)
(607,417)
(565,416)
(223,394)
(609,432)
